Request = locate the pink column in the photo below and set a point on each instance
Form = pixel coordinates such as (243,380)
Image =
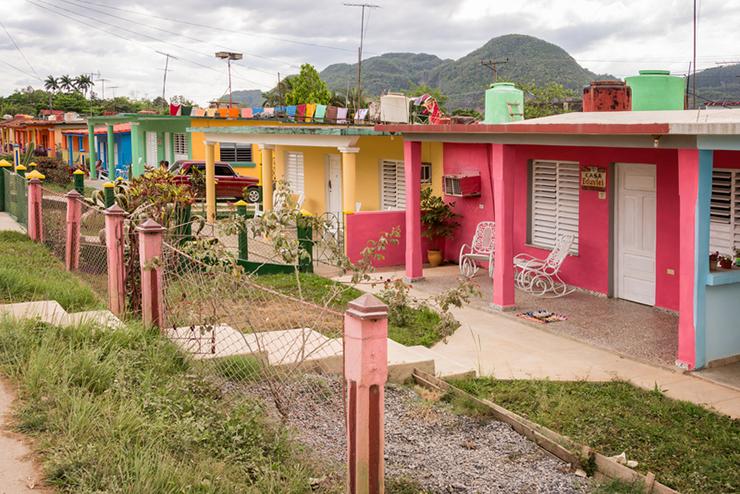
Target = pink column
(412,172)
(114,241)
(366,372)
(502,174)
(688,190)
(151,235)
(35,223)
(74,213)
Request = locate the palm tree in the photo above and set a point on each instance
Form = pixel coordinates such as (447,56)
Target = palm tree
(67,83)
(84,82)
(51,84)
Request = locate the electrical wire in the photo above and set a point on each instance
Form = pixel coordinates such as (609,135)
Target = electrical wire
(21,70)
(12,40)
(221,29)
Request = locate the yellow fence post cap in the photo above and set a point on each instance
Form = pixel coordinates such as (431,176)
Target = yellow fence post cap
(35,174)
(240,202)
(78,172)
(109,185)
(20,167)
(5,164)
(33,164)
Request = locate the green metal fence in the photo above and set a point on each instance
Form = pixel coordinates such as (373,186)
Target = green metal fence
(16,196)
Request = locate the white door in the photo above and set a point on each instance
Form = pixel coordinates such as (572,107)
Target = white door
(151,149)
(635,233)
(334,184)
(167,149)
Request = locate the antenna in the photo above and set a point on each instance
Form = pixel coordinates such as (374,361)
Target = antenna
(363,6)
(493,65)
(103,81)
(167,57)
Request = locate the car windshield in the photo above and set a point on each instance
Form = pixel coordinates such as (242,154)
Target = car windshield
(175,167)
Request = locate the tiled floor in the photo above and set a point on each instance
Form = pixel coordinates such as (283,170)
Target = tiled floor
(728,375)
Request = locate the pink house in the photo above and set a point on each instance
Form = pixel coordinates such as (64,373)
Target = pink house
(671,196)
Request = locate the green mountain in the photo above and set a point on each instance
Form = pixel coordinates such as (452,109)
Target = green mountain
(531,60)
(246,97)
(718,83)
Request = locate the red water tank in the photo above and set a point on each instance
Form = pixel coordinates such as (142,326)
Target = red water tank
(607,96)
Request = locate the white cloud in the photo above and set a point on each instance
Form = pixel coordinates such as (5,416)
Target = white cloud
(121,39)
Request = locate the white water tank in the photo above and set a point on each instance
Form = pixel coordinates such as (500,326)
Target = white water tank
(394,108)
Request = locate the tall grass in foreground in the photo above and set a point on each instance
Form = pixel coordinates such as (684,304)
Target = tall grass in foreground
(123,411)
(29,271)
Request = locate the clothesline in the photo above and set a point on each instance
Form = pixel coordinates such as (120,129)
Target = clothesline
(308,112)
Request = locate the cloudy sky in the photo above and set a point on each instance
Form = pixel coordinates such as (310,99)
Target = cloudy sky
(120,41)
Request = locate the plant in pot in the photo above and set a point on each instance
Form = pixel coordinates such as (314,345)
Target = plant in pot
(725,262)
(439,222)
(713,260)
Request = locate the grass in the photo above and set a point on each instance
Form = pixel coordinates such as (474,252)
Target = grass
(689,448)
(417,326)
(124,412)
(28,271)
(66,187)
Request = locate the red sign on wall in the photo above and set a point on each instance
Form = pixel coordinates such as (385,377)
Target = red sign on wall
(593,178)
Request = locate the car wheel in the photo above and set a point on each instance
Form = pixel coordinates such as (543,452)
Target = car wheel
(253,195)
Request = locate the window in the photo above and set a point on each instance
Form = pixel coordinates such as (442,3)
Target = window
(392,185)
(724,231)
(294,171)
(426,173)
(451,186)
(224,171)
(181,145)
(233,152)
(554,190)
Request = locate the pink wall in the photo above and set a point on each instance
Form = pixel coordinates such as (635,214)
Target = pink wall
(463,159)
(364,226)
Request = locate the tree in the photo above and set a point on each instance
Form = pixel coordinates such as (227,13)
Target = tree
(67,83)
(434,92)
(51,84)
(276,96)
(307,87)
(84,82)
(543,101)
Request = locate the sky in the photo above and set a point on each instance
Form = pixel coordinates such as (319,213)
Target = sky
(123,43)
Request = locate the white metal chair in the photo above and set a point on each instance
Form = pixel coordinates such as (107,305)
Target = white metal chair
(540,276)
(480,250)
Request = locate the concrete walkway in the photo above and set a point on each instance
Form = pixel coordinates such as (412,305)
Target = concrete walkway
(7,223)
(499,345)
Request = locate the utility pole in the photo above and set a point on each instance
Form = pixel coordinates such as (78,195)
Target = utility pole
(693,76)
(363,6)
(103,81)
(113,88)
(229,56)
(493,65)
(167,57)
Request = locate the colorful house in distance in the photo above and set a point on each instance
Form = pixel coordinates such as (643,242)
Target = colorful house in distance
(670,196)
(44,134)
(76,147)
(151,138)
(335,169)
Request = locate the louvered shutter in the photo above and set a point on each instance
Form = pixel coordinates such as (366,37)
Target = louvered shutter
(555,194)
(724,231)
(393,185)
(295,172)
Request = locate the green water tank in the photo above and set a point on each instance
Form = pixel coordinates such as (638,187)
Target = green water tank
(504,103)
(657,90)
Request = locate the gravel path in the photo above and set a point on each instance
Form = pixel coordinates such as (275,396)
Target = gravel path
(442,451)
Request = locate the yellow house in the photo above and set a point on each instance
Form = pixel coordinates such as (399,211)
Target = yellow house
(333,169)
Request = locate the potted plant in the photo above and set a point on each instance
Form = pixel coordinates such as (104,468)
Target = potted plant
(439,222)
(725,262)
(713,260)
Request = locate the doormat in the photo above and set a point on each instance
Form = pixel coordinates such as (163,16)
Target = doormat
(542,316)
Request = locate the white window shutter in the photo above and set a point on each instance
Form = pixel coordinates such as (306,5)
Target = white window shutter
(724,212)
(294,172)
(555,202)
(392,185)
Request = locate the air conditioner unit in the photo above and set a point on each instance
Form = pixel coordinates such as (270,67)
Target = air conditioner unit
(461,185)
(394,108)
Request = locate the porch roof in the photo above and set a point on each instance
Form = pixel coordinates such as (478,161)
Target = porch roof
(714,129)
(292,130)
(305,135)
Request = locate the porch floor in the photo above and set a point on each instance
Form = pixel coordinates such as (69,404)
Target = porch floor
(632,329)
(729,374)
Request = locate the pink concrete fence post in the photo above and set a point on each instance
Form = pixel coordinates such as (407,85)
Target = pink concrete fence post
(114,242)
(35,223)
(151,235)
(365,372)
(74,213)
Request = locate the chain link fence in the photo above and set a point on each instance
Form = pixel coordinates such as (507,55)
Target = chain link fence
(93,264)
(54,219)
(16,197)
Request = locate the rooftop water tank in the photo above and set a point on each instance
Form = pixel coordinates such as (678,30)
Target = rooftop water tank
(504,103)
(394,108)
(607,96)
(657,90)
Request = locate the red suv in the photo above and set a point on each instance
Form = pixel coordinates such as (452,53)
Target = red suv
(229,184)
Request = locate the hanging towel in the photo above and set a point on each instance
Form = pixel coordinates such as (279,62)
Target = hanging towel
(174,109)
(256,110)
(331,114)
(361,115)
(268,111)
(223,112)
(186,111)
(300,113)
(246,113)
(342,115)
(211,112)
(198,112)
(320,113)
(310,111)
(291,111)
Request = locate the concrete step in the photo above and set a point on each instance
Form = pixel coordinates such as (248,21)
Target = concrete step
(444,366)
(49,311)
(103,317)
(402,361)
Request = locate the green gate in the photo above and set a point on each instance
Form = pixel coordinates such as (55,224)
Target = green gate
(16,196)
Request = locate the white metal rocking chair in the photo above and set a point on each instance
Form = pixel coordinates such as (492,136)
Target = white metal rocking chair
(481,249)
(540,276)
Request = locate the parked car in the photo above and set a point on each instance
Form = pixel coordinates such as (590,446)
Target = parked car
(229,184)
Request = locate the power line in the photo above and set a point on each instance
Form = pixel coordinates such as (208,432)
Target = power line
(20,70)
(362,6)
(166,67)
(12,40)
(219,29)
